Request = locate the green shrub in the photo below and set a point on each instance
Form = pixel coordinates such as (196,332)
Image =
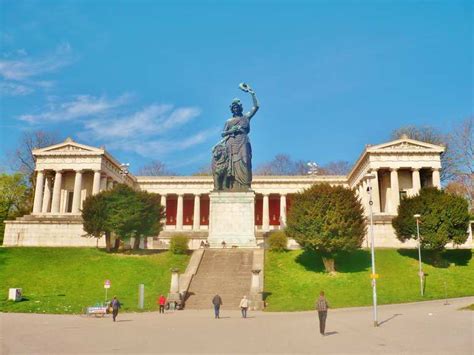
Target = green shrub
(277,241)
(444,219)
(327,219)
(179,244)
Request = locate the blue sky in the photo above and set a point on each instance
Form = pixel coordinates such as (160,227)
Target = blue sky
(154,79)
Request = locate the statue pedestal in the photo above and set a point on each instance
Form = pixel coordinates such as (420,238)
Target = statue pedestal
(232,219)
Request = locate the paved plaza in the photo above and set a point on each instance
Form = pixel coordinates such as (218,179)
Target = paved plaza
(416,328)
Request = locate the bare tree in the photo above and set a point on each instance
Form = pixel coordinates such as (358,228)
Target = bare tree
(339,167)
(431,135)
(461,143)
(22,159)
(205,170)
(155,168)
(282,164)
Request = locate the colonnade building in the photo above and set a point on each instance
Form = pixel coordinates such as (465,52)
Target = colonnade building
(69,172)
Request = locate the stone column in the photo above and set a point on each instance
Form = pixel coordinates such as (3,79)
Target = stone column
(266,213)
(96,182)
(255,284)
(416,182)
(436,178)
(38,202)
(179,213)
(110,183)
(197,212)
(76,198)
(103,183)
(375,192)
(58,178)
(283,210)
(174,287)
(395,190)
(163,203)
(46,195)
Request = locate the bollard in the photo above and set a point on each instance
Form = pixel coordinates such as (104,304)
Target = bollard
(141,296)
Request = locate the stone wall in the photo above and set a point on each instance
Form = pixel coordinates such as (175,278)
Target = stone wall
(47,234)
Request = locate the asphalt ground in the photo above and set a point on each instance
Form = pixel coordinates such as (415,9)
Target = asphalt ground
(416,328)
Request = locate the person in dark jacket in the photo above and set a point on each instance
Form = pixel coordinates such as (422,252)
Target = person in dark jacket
(322,306)
(217,302)
(115,304)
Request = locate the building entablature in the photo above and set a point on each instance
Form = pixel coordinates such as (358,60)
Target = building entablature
(403,153)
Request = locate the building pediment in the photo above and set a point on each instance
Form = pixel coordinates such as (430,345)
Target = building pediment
(67,147)
(404,145)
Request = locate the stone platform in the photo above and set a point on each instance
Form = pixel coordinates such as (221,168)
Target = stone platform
(232,219)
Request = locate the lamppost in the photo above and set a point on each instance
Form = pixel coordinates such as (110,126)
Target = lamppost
(373,276)
(420,271)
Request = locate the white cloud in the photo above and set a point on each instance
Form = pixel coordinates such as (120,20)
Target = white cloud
(24,70)
(161,147)
(153,119)
(8,88)
(25,67)
(82,106)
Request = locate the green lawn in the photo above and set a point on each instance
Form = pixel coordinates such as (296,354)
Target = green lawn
(293,279)
(65,280)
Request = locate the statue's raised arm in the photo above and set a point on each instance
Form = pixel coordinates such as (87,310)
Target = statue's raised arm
(246,88)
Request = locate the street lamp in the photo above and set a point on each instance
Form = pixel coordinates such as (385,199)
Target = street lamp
(420,271)
(373,276)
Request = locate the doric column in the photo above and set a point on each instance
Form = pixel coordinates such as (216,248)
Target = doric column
(266,213)
(283,210)
(96,182)
(179,213)
(375,192)
(46,194)
(76,197)
(436,178)
(416,182)
(110,183)
(395,189)
(197,212)
(58,178)
(38,192)
(163,203)
(103,183)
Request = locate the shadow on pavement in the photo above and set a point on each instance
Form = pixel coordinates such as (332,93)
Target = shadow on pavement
(389,318)
(330,333)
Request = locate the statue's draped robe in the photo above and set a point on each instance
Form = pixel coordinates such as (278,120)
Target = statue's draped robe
(239,152)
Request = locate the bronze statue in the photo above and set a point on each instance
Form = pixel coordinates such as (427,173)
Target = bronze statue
(232,156)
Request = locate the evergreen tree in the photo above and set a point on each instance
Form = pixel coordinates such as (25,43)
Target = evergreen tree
(327,219)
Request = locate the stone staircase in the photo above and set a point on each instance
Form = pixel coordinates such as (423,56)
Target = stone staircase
(227,272)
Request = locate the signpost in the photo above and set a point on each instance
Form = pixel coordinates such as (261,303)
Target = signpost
(107,284)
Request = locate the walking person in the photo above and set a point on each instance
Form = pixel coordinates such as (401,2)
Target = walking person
(162,302)
(244,305)
(217,302)
(322,306)
(115,304)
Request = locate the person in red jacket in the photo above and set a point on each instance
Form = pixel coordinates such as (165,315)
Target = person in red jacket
(162,302)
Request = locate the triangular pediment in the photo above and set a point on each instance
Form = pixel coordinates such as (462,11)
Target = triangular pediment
(68,146)
(406,144)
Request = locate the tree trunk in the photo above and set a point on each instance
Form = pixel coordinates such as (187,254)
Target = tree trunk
(117,244)
(107,242)
(329,264)
(136,243)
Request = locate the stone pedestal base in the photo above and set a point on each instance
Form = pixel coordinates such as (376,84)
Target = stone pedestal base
(232,219)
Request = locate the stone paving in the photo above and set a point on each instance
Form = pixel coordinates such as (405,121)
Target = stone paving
(416,328)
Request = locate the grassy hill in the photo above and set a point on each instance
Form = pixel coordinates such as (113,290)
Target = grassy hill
(65,280)
(293,279)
